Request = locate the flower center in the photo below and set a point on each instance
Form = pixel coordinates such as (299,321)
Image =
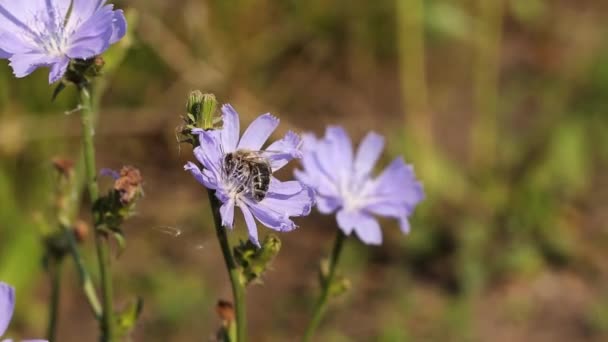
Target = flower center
(48,31)
(353,192)
(247,173)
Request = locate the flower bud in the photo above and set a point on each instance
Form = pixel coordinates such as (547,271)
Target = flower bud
(255,261)
(200,110)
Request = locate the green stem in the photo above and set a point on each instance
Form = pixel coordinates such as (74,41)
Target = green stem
(238,290)
(85,279)
(413,76)
(55,274)
(103,255)
(486,69)
(321,305)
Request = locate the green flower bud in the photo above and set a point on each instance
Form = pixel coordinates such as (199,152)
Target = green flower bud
(255,261)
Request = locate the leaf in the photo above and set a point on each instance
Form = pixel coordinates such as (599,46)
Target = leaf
(126,319)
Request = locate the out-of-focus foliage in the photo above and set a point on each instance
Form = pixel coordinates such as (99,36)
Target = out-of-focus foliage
(511,99)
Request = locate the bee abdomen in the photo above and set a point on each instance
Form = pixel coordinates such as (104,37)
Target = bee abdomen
(261,181)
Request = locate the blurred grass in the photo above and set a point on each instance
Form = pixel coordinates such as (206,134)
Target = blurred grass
(501,107)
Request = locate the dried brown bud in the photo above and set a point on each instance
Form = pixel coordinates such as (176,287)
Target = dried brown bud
(225,310)
(64,166)
(81,230)
(128,185)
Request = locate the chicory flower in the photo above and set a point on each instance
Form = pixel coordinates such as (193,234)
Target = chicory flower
(7,306)
(272,206)
(37,33)
(344,183)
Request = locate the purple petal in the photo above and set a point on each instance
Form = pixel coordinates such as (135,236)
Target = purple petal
(258,132)
(347,220)
(83,10)
(271,218)
(368,153)
(25,64)
(92,37)
(313,174)
(209,153)
(289,198)
(14,15)
(58,69)
(404,224)
(368,230)
(230,130)
(398,183)
(7,305)
(252,227)
(366,227)
(282,151)
(327,205)
(394,209)
(227,212)
(119,26)
(88,47)
(106,172)
(335,154)
(12,44)
(201,177)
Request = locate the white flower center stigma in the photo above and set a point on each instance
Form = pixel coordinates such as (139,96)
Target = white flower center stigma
(353,190)
(48,31)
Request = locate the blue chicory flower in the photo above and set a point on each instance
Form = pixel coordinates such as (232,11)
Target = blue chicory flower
(344,183)
(37,33)
(7,306)
(282,200)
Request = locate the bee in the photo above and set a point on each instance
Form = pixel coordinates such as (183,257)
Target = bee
(250,171)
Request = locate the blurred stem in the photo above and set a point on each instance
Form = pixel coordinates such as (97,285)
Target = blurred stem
(67,217)
(55,274)
(321,305)
(486,69)
(410,14)
(103,257)
(238,289)
(85,279)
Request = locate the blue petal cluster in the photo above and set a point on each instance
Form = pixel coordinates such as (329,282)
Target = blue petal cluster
(283,200)
(344,183)
(48,33)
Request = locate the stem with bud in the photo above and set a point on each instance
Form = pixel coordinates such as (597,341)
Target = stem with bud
(321,305)
(103,256)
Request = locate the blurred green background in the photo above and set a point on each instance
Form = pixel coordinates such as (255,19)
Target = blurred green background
(502,107)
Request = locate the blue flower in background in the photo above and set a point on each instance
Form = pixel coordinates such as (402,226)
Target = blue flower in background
(241,173)
(48,33)
(7,306)
(344,183)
